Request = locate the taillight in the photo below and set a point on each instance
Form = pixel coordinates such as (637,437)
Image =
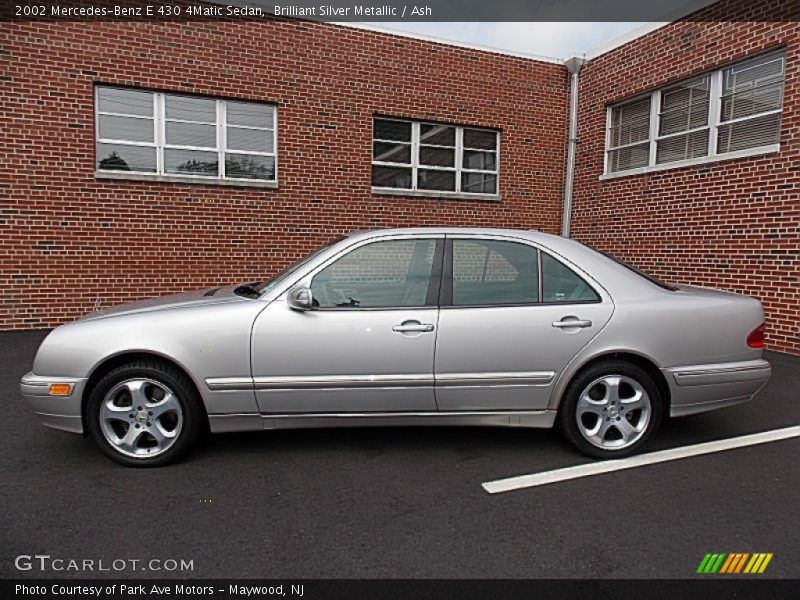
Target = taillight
(756,337)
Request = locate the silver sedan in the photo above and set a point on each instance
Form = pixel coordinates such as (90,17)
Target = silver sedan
(408,326)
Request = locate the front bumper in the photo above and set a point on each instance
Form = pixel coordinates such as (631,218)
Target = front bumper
(700,388)
(58,412)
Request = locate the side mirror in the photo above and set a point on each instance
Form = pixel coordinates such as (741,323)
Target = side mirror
(300,298)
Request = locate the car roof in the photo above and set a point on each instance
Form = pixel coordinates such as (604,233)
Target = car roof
(526,233)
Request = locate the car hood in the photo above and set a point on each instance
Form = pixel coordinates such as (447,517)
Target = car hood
(206,296)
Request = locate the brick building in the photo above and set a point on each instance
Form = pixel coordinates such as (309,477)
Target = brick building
(144,158)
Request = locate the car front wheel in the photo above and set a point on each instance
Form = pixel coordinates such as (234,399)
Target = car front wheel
(611,410)
(144,414)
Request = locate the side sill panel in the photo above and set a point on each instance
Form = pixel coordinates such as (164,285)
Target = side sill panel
(255,422)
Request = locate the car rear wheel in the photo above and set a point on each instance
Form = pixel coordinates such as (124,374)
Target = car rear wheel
(611,410)
(145,414)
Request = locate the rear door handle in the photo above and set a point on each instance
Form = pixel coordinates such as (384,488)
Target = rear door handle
(413,326)
(573,323)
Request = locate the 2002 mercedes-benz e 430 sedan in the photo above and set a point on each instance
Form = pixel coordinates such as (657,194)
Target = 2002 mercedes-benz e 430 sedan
(406,326)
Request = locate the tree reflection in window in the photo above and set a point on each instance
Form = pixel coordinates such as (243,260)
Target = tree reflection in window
(249,167)
(114,162)
(200,167)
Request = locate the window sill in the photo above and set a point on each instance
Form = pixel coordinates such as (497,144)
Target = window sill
(122,175)
(436,195)
(694,161)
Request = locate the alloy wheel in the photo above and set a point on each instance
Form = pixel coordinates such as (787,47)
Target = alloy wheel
(613,412)
(141,417)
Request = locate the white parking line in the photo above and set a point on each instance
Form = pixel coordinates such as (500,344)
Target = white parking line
(607,466)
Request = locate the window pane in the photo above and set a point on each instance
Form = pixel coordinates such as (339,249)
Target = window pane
(444,181)
(438,135)
(561,284)
(488,272)
(391,177)
(437,157)
(485,161)
(119,157)
(251,114)
(191,162)
(752,101)
(629,158)
(249,166)
(381,274)
(391,130)
(681,147)
(388,152)
(125,128)
(191,134)
(630,122)
(190,109)
(480,138)
(255,140)
(684,106)
(478,183)
(752,87)
(751,133)
(125,102)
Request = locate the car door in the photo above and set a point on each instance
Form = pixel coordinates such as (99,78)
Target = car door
(368,343)
(511,318)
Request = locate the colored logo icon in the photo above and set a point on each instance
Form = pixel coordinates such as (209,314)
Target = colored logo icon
(734,563)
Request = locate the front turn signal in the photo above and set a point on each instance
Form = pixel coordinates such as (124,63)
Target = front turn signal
(60,389)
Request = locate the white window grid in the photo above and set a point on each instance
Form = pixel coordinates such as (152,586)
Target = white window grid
(159,136)
(415,165)
(713,125)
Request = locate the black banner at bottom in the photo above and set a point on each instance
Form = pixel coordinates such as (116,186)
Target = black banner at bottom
(390,589)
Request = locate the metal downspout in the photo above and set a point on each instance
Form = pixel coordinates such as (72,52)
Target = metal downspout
(574,66)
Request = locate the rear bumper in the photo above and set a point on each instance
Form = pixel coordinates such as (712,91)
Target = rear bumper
(58,412)
(700,388)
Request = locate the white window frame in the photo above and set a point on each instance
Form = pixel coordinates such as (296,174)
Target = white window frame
(415,166)
(713,125)
(160,145)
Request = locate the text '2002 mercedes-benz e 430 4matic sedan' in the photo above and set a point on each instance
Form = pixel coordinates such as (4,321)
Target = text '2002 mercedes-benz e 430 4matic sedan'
(400,327)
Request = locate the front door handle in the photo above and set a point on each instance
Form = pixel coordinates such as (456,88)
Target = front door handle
(563,324)
(413,327)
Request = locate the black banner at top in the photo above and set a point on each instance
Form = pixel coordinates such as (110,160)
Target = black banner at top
(405,10)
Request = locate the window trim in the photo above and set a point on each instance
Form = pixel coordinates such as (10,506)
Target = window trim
(414,165)
(160,145)
(713,124)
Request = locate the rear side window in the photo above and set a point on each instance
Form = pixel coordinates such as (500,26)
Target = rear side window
(488,272)
(561,284)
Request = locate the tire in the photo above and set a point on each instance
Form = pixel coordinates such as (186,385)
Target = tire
(145,413)
(622,423)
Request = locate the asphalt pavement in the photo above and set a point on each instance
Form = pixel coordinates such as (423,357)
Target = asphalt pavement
(399,502)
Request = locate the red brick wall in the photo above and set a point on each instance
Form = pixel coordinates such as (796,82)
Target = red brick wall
(733,224)
(66,237)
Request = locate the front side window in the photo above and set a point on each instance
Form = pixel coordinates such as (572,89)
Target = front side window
(733,109)
(489,272)
(147,132)
(434,157)
(386,274)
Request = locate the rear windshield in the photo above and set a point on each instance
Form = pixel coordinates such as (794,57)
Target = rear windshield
(639,272)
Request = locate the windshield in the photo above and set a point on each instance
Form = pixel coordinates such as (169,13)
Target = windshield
(270,284)
(639,272)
